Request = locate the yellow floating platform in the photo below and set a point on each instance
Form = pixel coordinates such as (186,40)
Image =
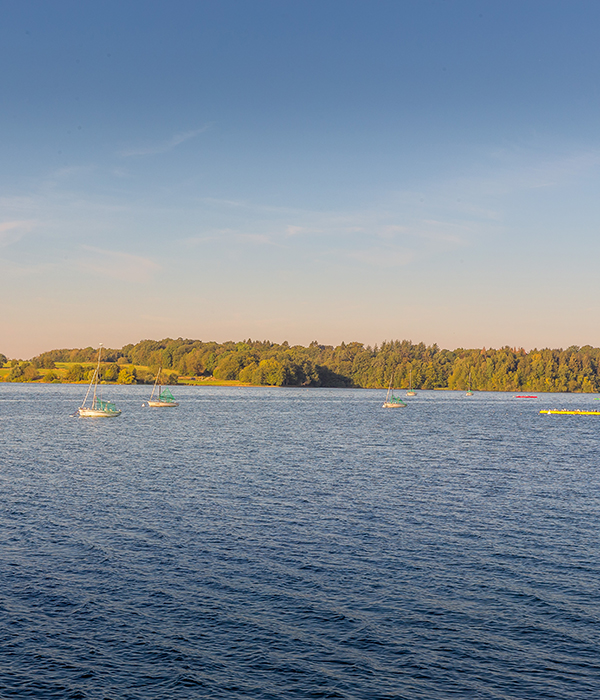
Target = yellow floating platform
(571,413)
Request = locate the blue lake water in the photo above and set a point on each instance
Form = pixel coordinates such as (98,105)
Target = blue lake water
(293,543)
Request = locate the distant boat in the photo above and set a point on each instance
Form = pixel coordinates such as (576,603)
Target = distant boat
(564,412)
(98,408)
(161,398)
(469,392)
(410,391)
(526,397)
(392,401)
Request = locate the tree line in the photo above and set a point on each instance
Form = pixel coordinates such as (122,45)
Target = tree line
(576,369)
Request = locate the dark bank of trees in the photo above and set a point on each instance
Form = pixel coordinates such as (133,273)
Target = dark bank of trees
(349,364)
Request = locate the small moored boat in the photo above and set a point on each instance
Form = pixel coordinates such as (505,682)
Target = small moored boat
(469,391)
(392,401)
(98,408)
(161,398)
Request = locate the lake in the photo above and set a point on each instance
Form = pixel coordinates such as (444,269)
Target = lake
(298,543)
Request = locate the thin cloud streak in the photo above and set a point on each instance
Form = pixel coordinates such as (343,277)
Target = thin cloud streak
(13,270)
(13,231)
(391,236)
(169,145)
(116,265)
(513,171)
(383,257)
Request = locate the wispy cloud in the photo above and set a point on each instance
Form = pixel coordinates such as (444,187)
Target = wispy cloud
(230,235)
(397,246)
(393,236)
(254,238)
(116,265)
(383,256)
(73,170)
(446,233)
(507,171)
(13,231)
(9,269)
(165,146)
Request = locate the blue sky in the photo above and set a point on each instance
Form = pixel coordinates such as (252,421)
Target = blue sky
(284,170)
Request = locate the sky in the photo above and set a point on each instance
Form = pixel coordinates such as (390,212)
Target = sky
(330,170)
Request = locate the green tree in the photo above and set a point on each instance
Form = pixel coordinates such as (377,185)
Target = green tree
(246,375)
(16,374)
(229,367)
(75,373)
(30,373)
(110,372)
(127,375)
(23,372)
(269,372)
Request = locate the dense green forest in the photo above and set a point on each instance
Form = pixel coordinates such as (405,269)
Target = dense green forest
(347,365)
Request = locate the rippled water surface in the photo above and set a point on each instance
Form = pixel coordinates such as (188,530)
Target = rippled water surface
(290,543)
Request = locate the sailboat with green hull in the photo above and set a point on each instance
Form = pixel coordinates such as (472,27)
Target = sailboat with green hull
(469,390)
(391,400)
(98,407)
(161,397)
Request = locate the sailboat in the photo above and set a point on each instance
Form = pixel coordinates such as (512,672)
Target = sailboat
(469,392)
(161,398)
(410,391)
(98,408)
(392,401)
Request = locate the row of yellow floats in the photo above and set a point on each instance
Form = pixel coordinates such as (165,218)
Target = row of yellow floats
(564,412)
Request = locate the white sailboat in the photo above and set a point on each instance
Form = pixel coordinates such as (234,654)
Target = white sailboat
(98,408)
(392,401)
(469,392)
(410,391)
(161,398)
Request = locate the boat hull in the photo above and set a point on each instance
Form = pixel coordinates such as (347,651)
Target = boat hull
(162,404)
(388,404)
(96,413)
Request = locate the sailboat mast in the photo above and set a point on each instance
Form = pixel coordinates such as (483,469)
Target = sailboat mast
(87,393)
(94,381)
(97,373)
(155,383)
